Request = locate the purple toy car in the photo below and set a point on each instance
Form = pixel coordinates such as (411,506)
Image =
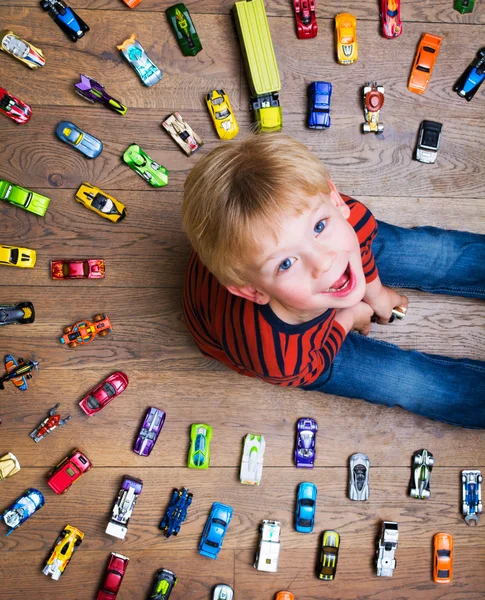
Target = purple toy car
(149,432)
(305,443)
(93,91)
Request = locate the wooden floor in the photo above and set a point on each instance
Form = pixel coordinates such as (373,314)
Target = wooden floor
(145,257)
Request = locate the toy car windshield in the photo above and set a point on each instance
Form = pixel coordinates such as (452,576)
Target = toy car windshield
(430,138)
(104,204)
(16,46)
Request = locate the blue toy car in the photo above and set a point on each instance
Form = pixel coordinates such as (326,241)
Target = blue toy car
(306,503)
(136,56)
(70,23)
(319,94)
(79,139)
(215,530)
(472,495)
(23,508)
(176,512)
(472,78)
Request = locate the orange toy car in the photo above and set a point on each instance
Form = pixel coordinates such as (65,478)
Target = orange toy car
(84,332)
(426,54)
(442,558)
(132,3)
(284,596)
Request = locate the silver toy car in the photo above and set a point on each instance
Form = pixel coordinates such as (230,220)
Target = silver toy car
(386,548)
(136,56)
(359,477)
(472,496)
(423,462)
(269,547)
(223,592)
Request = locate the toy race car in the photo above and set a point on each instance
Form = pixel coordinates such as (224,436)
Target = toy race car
(391,18)
(84,332)
(200,450)
(136,56)
(146,167)
(49,424)
(329,555)
(17,314)
(222,115)
(70,23)
(346,38)
(305,443)
(424,62)
(68,471)
(442,558)
(14,256)
(472,77)
(182,133)
(149,432)
(165,581)
(429,137)
(123,507)
(90,268)
(132,3)
(100,202)
(9,465)
(252,459)
(14,108)
(183,27)
(214,530)
(306,20)
(359,477)
(284,596)
(22,50)
(73,135)
(23,508)
(115,572)
(24,198)
(306,504)
(223,592)
(471,496)
(62,552)
(269,546)
(319,95)
(18,371)
(92,91)
(104,393)
(422,466)
(176,512)
(373,102)
(464,6)
(386,548)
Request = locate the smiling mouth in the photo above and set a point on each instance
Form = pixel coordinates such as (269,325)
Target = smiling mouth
(342,282)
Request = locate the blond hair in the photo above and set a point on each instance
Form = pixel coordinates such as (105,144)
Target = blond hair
(240,187)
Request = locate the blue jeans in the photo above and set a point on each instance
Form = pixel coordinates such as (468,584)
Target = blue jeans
(437,387)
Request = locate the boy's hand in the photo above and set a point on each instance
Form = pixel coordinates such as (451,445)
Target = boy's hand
(384,302)
(356,318)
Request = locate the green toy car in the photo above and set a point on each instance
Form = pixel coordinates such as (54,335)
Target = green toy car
(23,198)
(146,167)
(200,450)
(464,6)
(184,29)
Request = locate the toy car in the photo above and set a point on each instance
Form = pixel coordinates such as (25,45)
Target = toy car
(252,459)
(132,3)
(17,314)
(464,6)
(84,332)
(104,393)
(9,465)
(471,496)
(182,133)
(306,20)
(14,256)
(306,504)
(223,592)
(68,471)
(23,508)
(423,462)
(222,115)
(329,555)
(149,432)
(472,77)
(65,546)
(70,23)
(18,371)
(86,143)
(373,102)
(305,443)
(442,558)
(269,546)
(386,548)
(391,18)
(49,424)
(14,108)
(359,477)
(136,56)
(214,530)
(429,137)
(123,507)
(100,202)
(319,95)
(23,198)
(284,596)
(346,38)
(115,572)
(92,91)
(424,62)
(183,27)
(176,512)
(146,167)
(200,450)
(91,268)
(22,50)
(165,581)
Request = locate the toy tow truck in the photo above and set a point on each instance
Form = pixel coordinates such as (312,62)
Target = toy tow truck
(472,496)
(176,512)
(182,133)
(373,102)
(123,507)
(386,548)
(84,332)
(48,424)
(269,546)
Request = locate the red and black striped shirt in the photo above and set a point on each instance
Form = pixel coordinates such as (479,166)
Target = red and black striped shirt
(250,339)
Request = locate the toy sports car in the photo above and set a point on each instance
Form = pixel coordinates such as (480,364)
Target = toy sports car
(329,555)
(91,268)
(442,558)
(359,477)
(84,332)
(424,61)
(132,3)
(472,77)
(391,18)
(14,108)
(9,465)
(123,507)
(13,256)
(423,462)
(22,50)
(386,548)
(23,508)
(182,133)
(464,6)
(306,20)
(146,167)
(305,443)
(93,92)
(70,23)
(284,596)
(221,113)
(149,432)
(68,471)
(319,94)
(176,512)
(104,393)
(223,592)
(306,504)
(136,56)
(373,102)
(23,198)
(51,422)
(252,459)
(471,496)
(165,581)
(200,450)
(268,552)
(17,314)
(183,27)
(346,38)
(115,572)
(86,143)
(215,529)
(64,548)
(429,137)
(100,202)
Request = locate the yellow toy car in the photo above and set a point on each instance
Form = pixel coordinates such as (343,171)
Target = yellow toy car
(100,202)
(24,51)
(329,555)
(62,552)
(346,38)
(13,256)
(222,115)
(9,465)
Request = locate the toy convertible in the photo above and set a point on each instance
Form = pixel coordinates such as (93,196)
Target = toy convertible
(84,332)
(62,552)
(100,202)
(373,102)
(49,424)
(472,77)
(123,507)
(18,371)
(136,56)
(145,166)
(182,133)
(70,23)
(23,198)
(14,108)
(23,508)
(92,91)
(68,471)
(20,49)
(104,393)
(183,27)
(17,314)
(92,268)
(176,512)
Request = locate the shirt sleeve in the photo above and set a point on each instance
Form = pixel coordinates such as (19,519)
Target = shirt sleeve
(365,226)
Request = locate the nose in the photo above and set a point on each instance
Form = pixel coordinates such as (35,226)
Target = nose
(322,262)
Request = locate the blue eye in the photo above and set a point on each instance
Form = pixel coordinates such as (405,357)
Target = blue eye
(320,226)
(286,264)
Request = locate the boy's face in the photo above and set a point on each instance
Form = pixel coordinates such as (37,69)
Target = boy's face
(315,264)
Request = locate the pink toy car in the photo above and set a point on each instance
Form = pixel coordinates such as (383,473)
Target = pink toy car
(78,269)
(68,471)
(103,393)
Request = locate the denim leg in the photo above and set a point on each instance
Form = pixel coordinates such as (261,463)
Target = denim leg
(437,387)
(430,259)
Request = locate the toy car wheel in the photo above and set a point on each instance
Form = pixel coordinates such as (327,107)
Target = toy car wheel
(380,128)
(72,344)
(98,318)
(77,543)
(466,509)
(189,499)
(103,333)
(175,533)
(44,5)
(366,127)
(67,329)
(481,53)
(426,494)
(417,459)
(430,461)
(463,478)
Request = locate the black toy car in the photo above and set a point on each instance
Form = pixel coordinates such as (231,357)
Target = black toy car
(165,581)
(70,23)
(428,141)
(20,313)
(472,78)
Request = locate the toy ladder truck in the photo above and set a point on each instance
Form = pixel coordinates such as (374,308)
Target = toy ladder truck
(259,58)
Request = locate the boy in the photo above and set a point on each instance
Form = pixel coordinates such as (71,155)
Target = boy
(285,272)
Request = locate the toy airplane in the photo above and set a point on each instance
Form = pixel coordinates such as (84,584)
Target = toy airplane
(48,424)
(18,372)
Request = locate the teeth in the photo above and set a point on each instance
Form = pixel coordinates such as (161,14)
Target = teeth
(340,289)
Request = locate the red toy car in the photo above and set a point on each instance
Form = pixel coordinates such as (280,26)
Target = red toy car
(68,471)
(114,576)
(84,332)
(14,108)
(103,393)
(306,20)
(78,269)
(391,18)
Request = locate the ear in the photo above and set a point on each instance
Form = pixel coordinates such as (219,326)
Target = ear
(249,292)
(338,201)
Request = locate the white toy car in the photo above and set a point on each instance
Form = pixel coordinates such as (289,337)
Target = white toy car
(359,477)
(123,507)
(182,133)
(429,137)
(386,548)
(223,592)
(269,547)
(252,459)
